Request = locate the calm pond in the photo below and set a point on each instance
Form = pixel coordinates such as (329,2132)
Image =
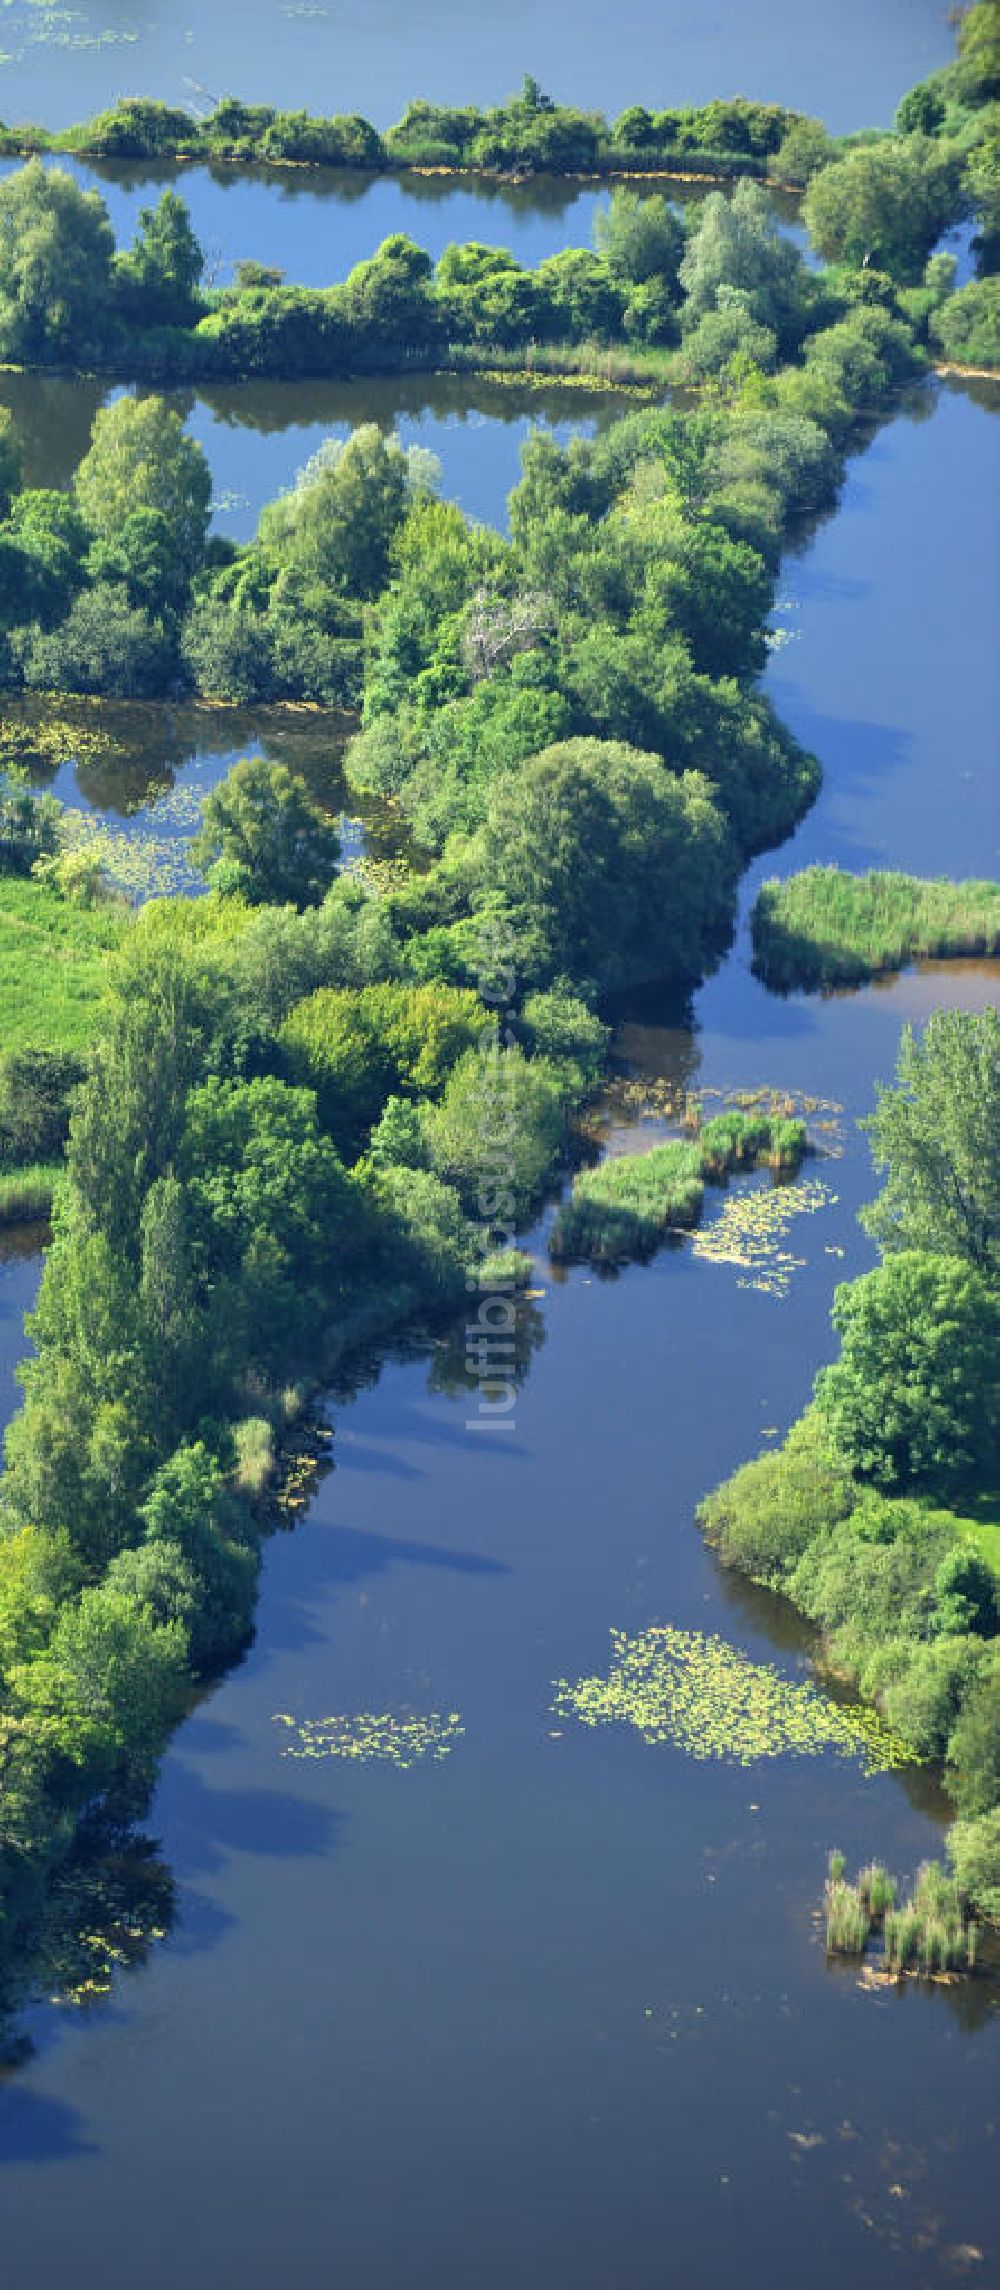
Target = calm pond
(555,2010)
(840,58)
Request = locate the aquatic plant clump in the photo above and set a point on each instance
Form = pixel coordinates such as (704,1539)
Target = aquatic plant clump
(925,1935)
(750,1227)
(372,1737)
(709,1700)
(625,1207)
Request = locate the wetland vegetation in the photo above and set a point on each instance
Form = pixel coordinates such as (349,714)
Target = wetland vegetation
(267,1104)
(874,1517)
(825,928)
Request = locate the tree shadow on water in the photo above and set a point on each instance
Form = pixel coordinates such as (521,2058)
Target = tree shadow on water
(337,1557)
(205,1826)
(35,2128)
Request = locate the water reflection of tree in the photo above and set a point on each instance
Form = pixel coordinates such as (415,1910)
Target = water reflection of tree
(132,752)
(53,415)
(447,1371)
(104,1912)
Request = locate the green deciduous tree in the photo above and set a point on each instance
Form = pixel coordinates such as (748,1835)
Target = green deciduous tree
(339,520)
(140,457)
(977,72)
(56,248)
(914,1400)
(614,869)
(736,243)
(264,837)
(937,1135)
(157,278)
(639,238)
(885,204)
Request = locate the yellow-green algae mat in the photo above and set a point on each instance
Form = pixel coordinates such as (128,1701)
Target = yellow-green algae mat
(750,1226)
(373,1737)
(710,1700)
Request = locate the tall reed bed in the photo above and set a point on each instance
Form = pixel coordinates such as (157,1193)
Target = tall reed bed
(825,927)
(625,1207)
(926,1934)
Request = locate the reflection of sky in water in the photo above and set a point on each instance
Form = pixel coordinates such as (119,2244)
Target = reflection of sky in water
(315,226)
(480,460)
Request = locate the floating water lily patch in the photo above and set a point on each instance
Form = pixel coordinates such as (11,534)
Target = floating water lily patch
(708,1699)
(751,1226)
(374,1737)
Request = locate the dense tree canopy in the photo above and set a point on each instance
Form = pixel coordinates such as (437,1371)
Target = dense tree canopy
(914,1399)
(56,249)
(885,204)
(936,1133)
(613,869)
(264,837)
(141,457)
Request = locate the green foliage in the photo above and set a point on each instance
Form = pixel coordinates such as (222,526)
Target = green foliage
(338,523)
(358,1049)
(141,556)
(140,457)
(56,248)
(35,1092)
(263,838)
(974,1852)
(937,1135)
(974,1746)
(914,1399)
(967,1592)
(157,280)
(922,1701)
(726,334)
(273,1217)
(764,1518)
(425,1235)
(190,1510)
(885,203)
(613,870)
(640,239)
(802,152)
(43,542)
(105,646)
(105,1689)
(967,327)
(625,1207)
(922,110)
(977,72)
(824,927)
(560,1027)
(498,1132)
(735,245)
